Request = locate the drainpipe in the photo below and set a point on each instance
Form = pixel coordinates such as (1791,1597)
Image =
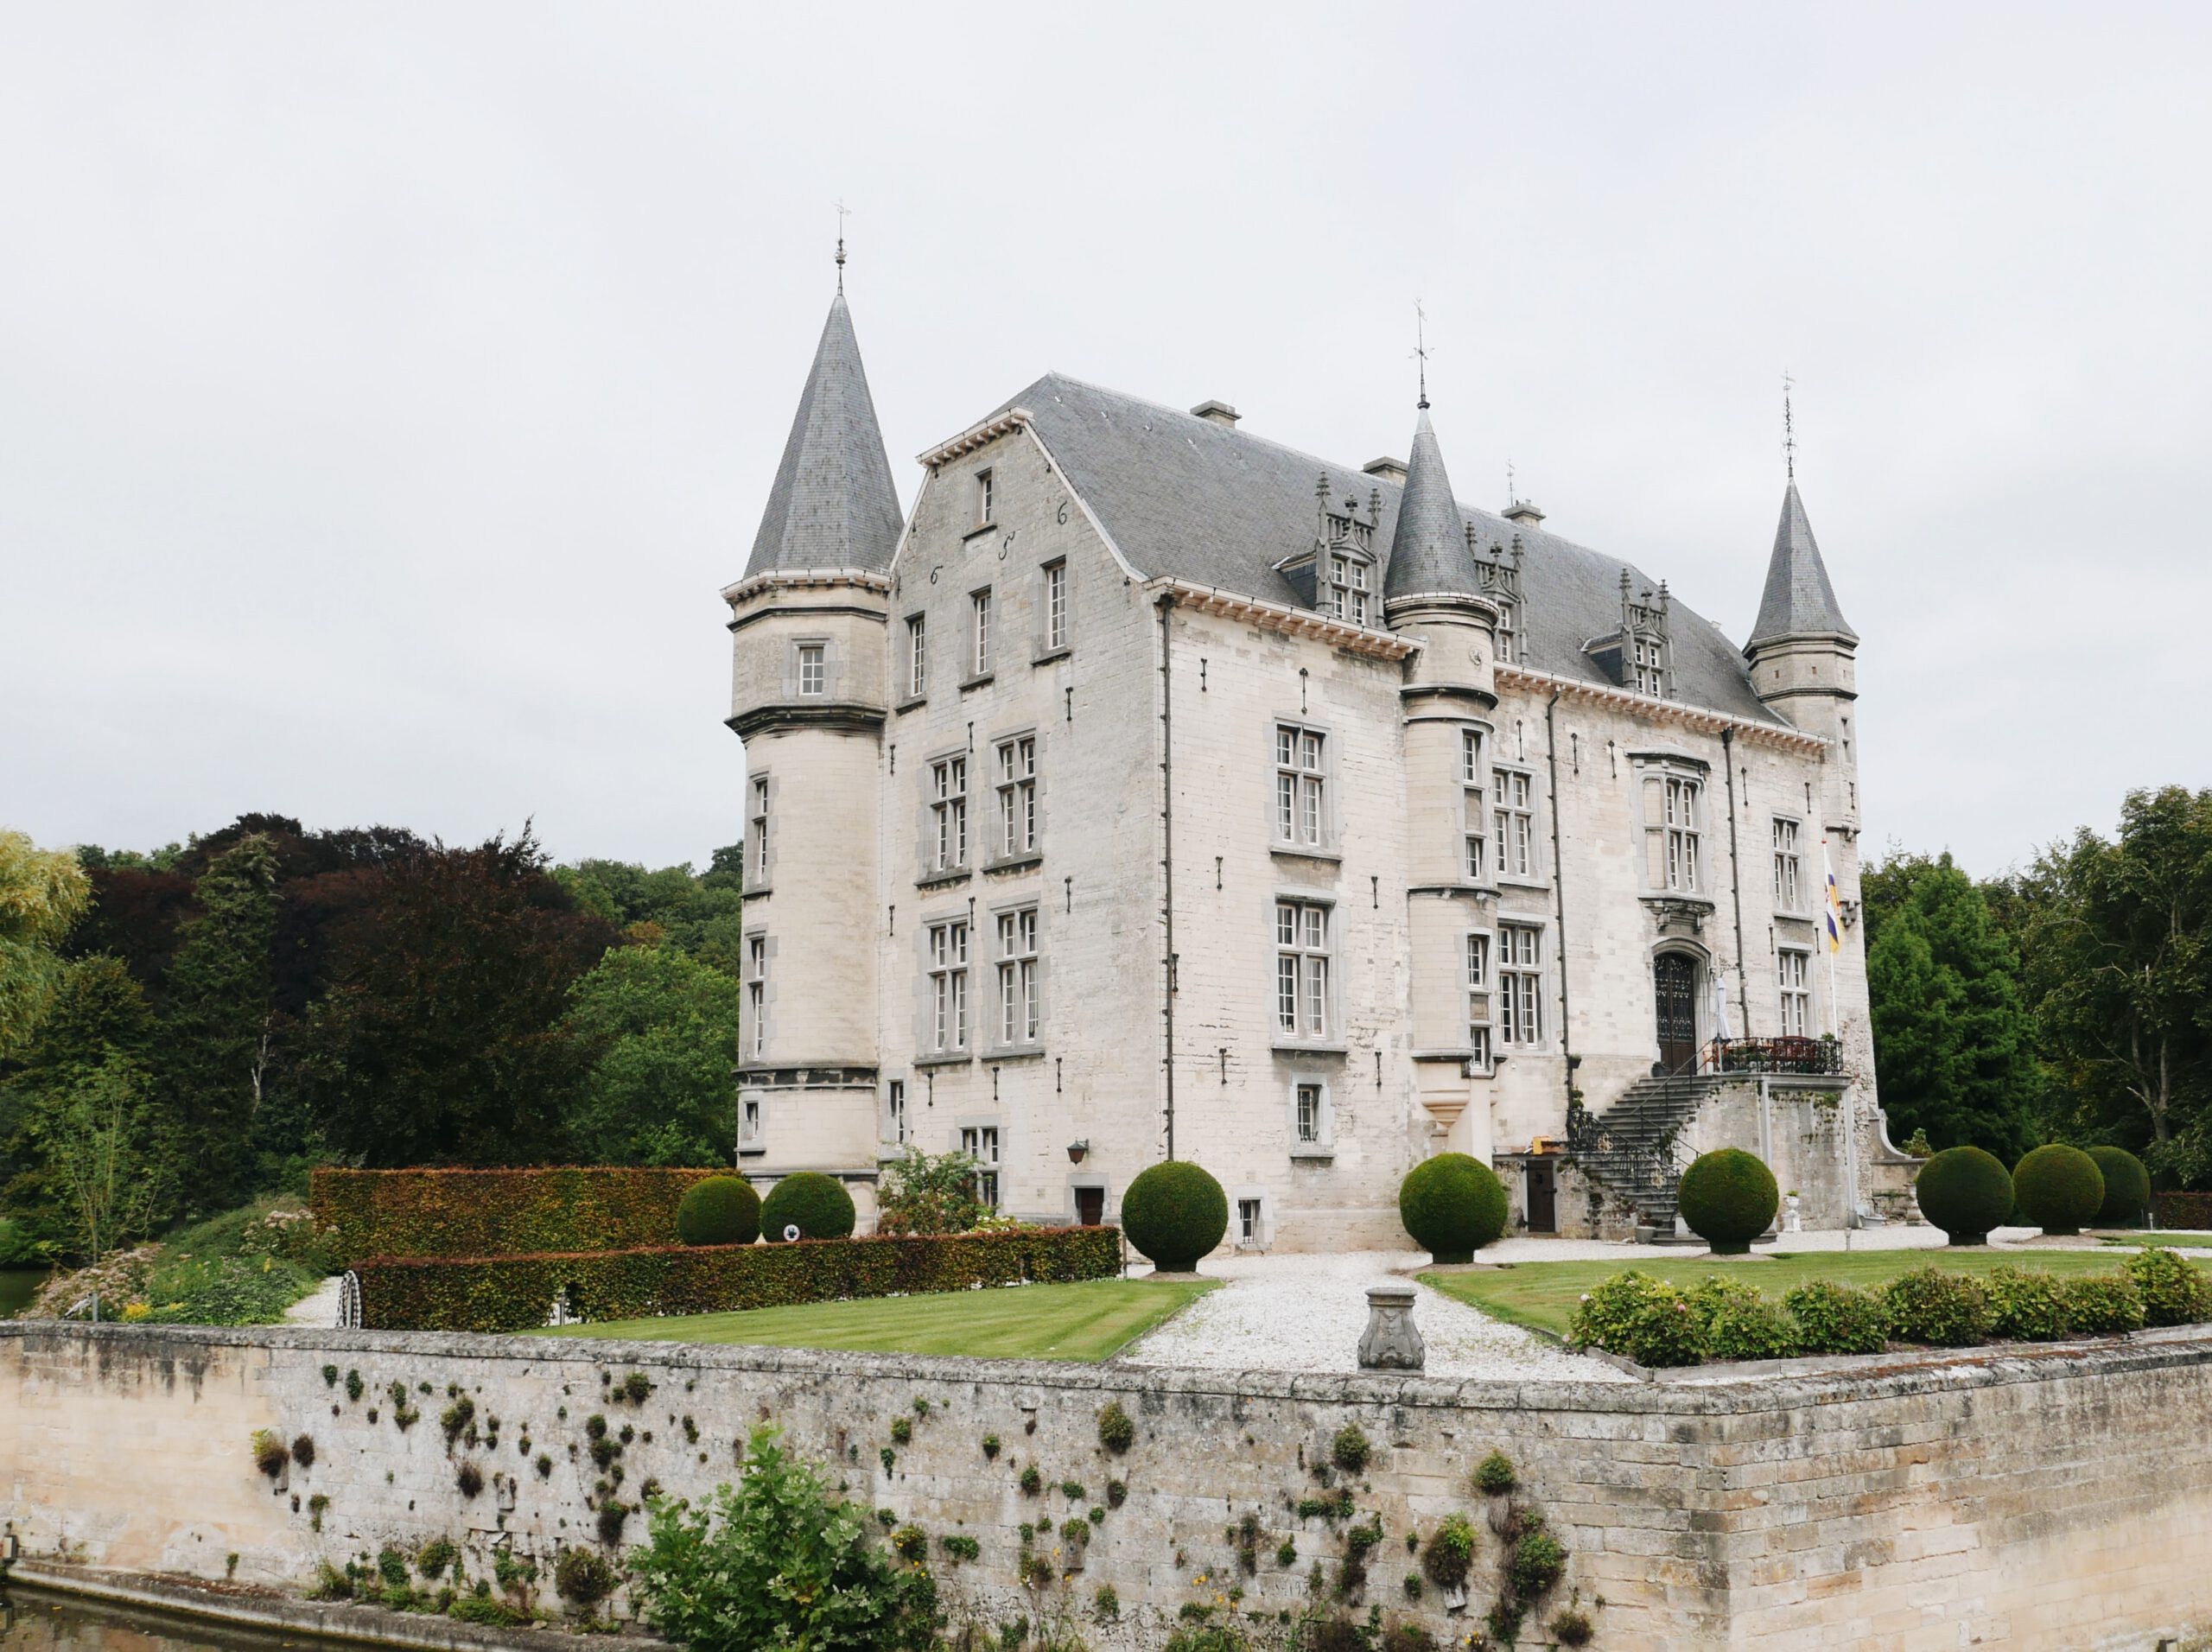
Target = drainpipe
(1736,879)
(1167,862)
(1559,893)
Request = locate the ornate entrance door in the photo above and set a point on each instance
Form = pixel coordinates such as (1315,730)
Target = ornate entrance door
(1675,978)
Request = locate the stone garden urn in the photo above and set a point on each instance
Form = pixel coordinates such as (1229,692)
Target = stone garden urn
(1391,1342)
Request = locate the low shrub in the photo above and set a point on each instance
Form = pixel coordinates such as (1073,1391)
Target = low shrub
(1349,1450)
(494,1293)
(270,1452)
(583,1578)
(817,1205)
(2025,1307)
(1452,1205)
(483,1611)
(1450,1551)
(1837,1318)
(1940,1309)
(2099,1305)
(2175,1290)
(1964,1191)
(2127,1187)
(1117,1431)
(1728,1199)
(1174,1213)
(1494,1474)
(720,1210)
(778,1560)
(1640,1319)
(1538,1560)
(1757,1329)
(2059,1188)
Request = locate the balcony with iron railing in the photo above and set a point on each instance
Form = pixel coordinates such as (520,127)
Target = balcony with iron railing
(1806,1057)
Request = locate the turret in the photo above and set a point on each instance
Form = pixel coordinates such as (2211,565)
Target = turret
(808,623)
(1801,644)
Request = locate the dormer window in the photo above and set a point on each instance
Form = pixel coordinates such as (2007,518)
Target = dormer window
(1509,633)
(1650,667)
(984,494)
(1349,594)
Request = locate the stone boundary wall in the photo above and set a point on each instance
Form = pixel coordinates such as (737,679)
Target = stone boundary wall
(2056,1497)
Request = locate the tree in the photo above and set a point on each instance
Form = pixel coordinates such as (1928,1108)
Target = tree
(1952,1036)
(661,1031)
(41,894)
(928,1193)
(2118,944)
(213,1065)
(99,1143)
(438,1039)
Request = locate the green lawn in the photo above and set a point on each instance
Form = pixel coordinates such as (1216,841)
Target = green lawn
(1091,1321)
(1543,1295)
(2178,1240)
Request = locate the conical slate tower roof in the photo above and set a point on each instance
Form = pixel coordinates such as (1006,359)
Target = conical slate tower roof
(833,504)
(1428,551)
(1798,601)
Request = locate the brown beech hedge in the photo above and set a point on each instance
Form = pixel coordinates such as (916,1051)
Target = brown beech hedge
(2183,1210)
(517,1292)
(479,1213)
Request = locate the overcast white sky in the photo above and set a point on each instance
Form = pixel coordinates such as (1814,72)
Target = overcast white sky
(385,392)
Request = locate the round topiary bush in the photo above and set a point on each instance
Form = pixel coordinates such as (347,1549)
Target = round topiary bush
(2128,1188)
(1728,1198)
(1174,1213)
(1965,1192)
(816,1206)
(720,1210)
(2059,1188)
(1452,1205)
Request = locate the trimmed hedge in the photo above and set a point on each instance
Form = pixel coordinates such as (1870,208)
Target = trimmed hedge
(2128,1188)
(476,1213)
(1452,1205)
(2188,1212)
(517,1292)
(720,1211)
(2059,1188)
(1728,1197)
(1175,1212)
(817,1205)
(1966,1191)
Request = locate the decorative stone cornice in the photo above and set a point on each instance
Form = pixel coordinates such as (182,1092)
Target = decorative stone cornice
(1284,619)
(804,579)
(974,436)
(1699,718)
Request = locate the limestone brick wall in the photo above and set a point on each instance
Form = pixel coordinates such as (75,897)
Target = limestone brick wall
(2048,1498)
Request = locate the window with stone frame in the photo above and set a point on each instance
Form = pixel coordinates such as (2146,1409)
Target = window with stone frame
(1480,987)
(812,670)
(1351,579)
(981,1143)
(1308,1100)
(979,633)
(917,655)
(986,498)
(1795,969)
(1507,646)
(1248,1222)
(1788,865)
(1017,968)
(756,994)
(1680,828)
(1302,787)
(894,1111)
(1302,955)
(749,1123)
(1473,812)
(948,978)
(1017,790)
(1056,607)
(1513,823)
(1520,984)
(1649,661)
(760,824)
(948,845)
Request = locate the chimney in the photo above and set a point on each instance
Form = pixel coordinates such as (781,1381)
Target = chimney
(1218,413)
(1524,513)
(1391,470)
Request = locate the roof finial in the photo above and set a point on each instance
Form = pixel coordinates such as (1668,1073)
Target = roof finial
(1789,427)
(843,213)
(1420,348)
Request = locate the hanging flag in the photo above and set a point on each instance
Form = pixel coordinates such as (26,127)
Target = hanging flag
(1832,908)
(1720,1007)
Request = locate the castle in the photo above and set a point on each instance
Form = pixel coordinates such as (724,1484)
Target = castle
(1154,790)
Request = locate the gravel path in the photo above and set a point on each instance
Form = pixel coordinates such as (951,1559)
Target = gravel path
(318,1308)
(1305,1314)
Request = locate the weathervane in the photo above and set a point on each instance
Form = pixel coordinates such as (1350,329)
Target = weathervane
(1788,429)
(1511,496)
(1420,348)
(843,213)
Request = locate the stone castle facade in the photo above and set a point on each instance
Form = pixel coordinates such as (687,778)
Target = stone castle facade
(1153,790)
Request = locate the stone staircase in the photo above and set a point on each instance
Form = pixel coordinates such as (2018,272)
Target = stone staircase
(1631,1149)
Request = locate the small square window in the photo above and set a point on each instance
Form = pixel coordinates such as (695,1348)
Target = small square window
(1248,1222)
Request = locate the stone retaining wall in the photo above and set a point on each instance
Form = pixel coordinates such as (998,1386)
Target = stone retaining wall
(2058,1497)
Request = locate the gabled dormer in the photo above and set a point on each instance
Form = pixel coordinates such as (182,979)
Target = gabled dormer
(1640,654)
(1497,572)
(1337,574)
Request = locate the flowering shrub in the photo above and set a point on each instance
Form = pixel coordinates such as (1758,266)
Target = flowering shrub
(1641,1319)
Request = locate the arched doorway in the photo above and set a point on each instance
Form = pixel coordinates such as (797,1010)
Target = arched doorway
(1673,981)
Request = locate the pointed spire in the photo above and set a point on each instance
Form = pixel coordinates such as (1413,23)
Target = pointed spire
(832,503)
(1798,601)
(1429,548)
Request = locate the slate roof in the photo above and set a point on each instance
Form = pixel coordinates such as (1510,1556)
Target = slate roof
(832,504)
(1188,498)
(1798,601)
(1428,546)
